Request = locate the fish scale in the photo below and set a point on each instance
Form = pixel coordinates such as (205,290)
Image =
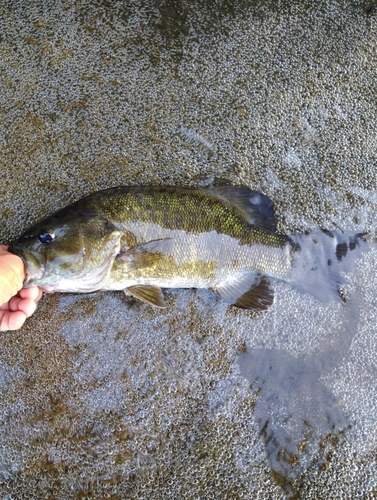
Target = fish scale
(142,238)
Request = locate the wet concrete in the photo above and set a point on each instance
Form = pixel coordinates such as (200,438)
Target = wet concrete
(104,397)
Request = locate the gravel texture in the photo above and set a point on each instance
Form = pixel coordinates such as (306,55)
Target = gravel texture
(105,397)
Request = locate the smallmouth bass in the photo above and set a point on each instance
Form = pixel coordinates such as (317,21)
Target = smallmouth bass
(142,239)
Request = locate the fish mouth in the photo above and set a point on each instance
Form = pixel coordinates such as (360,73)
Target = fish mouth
(34,270)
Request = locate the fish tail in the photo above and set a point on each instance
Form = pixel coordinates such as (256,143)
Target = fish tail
(321,258)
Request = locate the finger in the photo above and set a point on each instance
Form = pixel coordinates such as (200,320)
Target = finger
(11,320)
(33,293)
(39,296)
(27,306)
(4,307)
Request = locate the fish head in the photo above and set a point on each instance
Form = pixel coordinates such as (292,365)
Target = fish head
(69,251)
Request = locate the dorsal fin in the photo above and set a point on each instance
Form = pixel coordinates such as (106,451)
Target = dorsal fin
(257,208)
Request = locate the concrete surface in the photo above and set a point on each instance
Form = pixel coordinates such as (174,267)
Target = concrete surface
(104,397)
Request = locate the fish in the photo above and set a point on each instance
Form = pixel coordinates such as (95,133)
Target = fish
(142,239)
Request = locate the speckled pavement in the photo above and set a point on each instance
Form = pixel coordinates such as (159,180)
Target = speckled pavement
(104,397)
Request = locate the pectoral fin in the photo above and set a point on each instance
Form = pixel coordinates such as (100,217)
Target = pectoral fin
(145,254)
(147,293)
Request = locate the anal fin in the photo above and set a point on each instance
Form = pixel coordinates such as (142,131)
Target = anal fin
(251,291)
(147,293)
(258,298)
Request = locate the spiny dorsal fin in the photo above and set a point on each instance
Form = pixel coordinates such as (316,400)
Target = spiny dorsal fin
(147,293)
(257,208)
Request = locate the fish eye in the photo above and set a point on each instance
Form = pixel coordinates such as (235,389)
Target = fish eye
(46,237)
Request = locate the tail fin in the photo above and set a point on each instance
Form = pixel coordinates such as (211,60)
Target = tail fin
(321,257)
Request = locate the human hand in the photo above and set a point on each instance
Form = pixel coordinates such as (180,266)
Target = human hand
(16,303)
